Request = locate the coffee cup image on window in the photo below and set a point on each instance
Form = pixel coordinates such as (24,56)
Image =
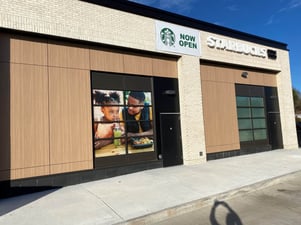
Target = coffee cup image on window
(117,133)
(108,127)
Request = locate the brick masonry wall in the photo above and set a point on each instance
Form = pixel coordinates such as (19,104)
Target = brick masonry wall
(80,20)
(192,121)
(286,104)
(236,58)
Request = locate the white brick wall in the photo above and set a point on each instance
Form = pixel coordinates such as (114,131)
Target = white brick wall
(234,57)
(192,121)
(287,114)
(79,20)
(84,21)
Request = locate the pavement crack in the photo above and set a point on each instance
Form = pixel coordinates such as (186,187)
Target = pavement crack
(99,198)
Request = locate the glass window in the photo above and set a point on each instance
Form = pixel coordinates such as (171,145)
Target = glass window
(258,112)
(260,134)
(257,101)
(246,135)
(251,118)
(244,124)
(244,113)
(242,101)
(259,123)
(122,122)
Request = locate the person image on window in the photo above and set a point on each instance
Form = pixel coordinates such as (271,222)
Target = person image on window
(103,131)
(138,115)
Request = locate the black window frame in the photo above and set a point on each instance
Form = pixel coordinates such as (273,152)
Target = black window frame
(253,91)
(123,82)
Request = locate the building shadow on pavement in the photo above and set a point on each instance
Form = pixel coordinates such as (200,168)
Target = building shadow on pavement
(19,197)
(231,216)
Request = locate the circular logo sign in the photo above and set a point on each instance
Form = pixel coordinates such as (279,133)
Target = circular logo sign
(167,37)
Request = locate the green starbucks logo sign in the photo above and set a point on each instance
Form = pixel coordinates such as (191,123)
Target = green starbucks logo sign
(177,39)
(167,37)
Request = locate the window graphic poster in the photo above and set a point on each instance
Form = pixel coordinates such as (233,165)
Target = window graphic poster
(122,122)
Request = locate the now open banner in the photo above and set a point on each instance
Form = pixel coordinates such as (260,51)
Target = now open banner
(179,39)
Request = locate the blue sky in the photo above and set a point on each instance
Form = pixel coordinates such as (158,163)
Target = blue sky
(273,19)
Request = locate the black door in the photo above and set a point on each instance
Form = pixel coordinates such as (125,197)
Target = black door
(273,114)
(171,144)
(275,134)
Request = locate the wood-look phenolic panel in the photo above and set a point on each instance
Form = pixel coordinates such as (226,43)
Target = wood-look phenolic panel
(222,148)
(70,116)
(28,50)
(137,64)
(68,56)
(122,62)
(207,73)
(29,172)
(165,67)
(29,116)
(106,61)
(74,166)
(219,104)
(232,75)
(220,118)
(256,78)
(270,80)
(224,74)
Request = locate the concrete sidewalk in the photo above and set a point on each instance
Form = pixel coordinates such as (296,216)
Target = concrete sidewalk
(148,196)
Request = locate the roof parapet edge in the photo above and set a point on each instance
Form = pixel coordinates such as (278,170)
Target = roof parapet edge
(147,11)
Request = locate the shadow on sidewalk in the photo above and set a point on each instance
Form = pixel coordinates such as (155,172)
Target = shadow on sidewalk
(22,196)
(231,218)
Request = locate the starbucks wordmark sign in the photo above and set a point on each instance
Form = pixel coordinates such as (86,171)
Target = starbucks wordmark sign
(174,38)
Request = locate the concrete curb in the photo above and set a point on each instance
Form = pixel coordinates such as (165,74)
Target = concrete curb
(197,204)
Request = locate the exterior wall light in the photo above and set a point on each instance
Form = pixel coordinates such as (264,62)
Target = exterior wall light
(244,74)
